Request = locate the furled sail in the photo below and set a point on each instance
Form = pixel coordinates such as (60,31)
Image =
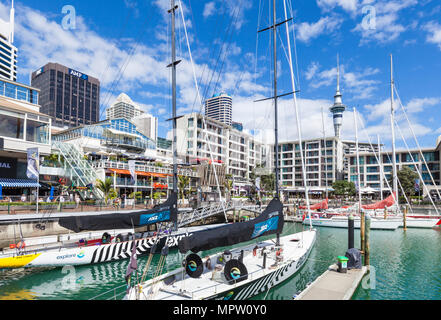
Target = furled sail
(270,221)
(389,201)
(320,205)
(167,211)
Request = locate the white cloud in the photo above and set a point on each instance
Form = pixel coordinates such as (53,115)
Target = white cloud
(307,31)
(434,33)
(209,9)
(387,26)
(357,84)
(347,5)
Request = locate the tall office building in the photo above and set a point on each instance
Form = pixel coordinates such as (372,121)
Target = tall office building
(69,97)
(123,107)
(8,52)
(220,108)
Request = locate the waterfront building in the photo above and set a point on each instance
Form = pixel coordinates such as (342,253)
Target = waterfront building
(373,174)
(220,108)
(147,125)
(164,147)
(22,126)
(8,52)
(118,136)
(326,161)
(71,98)
(238,151)
(107,147)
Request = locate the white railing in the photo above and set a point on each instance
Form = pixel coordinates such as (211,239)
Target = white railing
(80,168)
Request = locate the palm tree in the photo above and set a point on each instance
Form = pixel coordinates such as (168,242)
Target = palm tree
(106,187)
(157,196)
(228,184)
(183,182)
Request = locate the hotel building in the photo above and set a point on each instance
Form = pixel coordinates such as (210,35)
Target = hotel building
(238,151)
(220,108)
(374,174)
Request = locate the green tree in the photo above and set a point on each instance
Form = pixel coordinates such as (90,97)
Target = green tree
(407,177)
(157,196)
(268,182)
(228,186)
(344,188)
(106,187)
(183,182)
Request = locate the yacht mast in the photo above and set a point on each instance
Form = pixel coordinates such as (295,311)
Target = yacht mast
(174,117)
(392,122)
(276,142)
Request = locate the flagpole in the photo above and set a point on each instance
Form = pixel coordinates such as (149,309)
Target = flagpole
(38,188)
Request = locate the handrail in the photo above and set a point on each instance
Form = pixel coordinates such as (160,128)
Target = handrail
(104,293)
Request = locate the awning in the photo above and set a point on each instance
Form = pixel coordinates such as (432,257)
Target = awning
(18,183)
(120,171)
(140,173)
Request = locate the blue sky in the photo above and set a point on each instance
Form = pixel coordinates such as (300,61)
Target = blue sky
(125,44)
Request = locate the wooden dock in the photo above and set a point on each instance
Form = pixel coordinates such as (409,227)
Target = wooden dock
(333,285)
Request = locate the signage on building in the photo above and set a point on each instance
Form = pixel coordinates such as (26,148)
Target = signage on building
(8,168)
(78,74)
(39,71)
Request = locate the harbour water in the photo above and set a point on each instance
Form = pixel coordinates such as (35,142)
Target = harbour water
(407,266)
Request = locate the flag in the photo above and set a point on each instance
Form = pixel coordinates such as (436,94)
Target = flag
(132,168)
(133,266)
(33,163)
(258,183)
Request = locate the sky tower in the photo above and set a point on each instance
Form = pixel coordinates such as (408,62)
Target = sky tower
(338,108)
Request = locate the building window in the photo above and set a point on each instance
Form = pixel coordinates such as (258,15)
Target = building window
(37,131)
(11,127)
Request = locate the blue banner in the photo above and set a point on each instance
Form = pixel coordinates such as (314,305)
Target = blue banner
(51,196)
(33,163)
(145,219)
(1,192)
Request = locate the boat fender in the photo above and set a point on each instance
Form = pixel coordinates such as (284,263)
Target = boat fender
(119,238)
(208,263)
(235,271)
(21,245)
(105,238)
(255,250)
(193,265)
